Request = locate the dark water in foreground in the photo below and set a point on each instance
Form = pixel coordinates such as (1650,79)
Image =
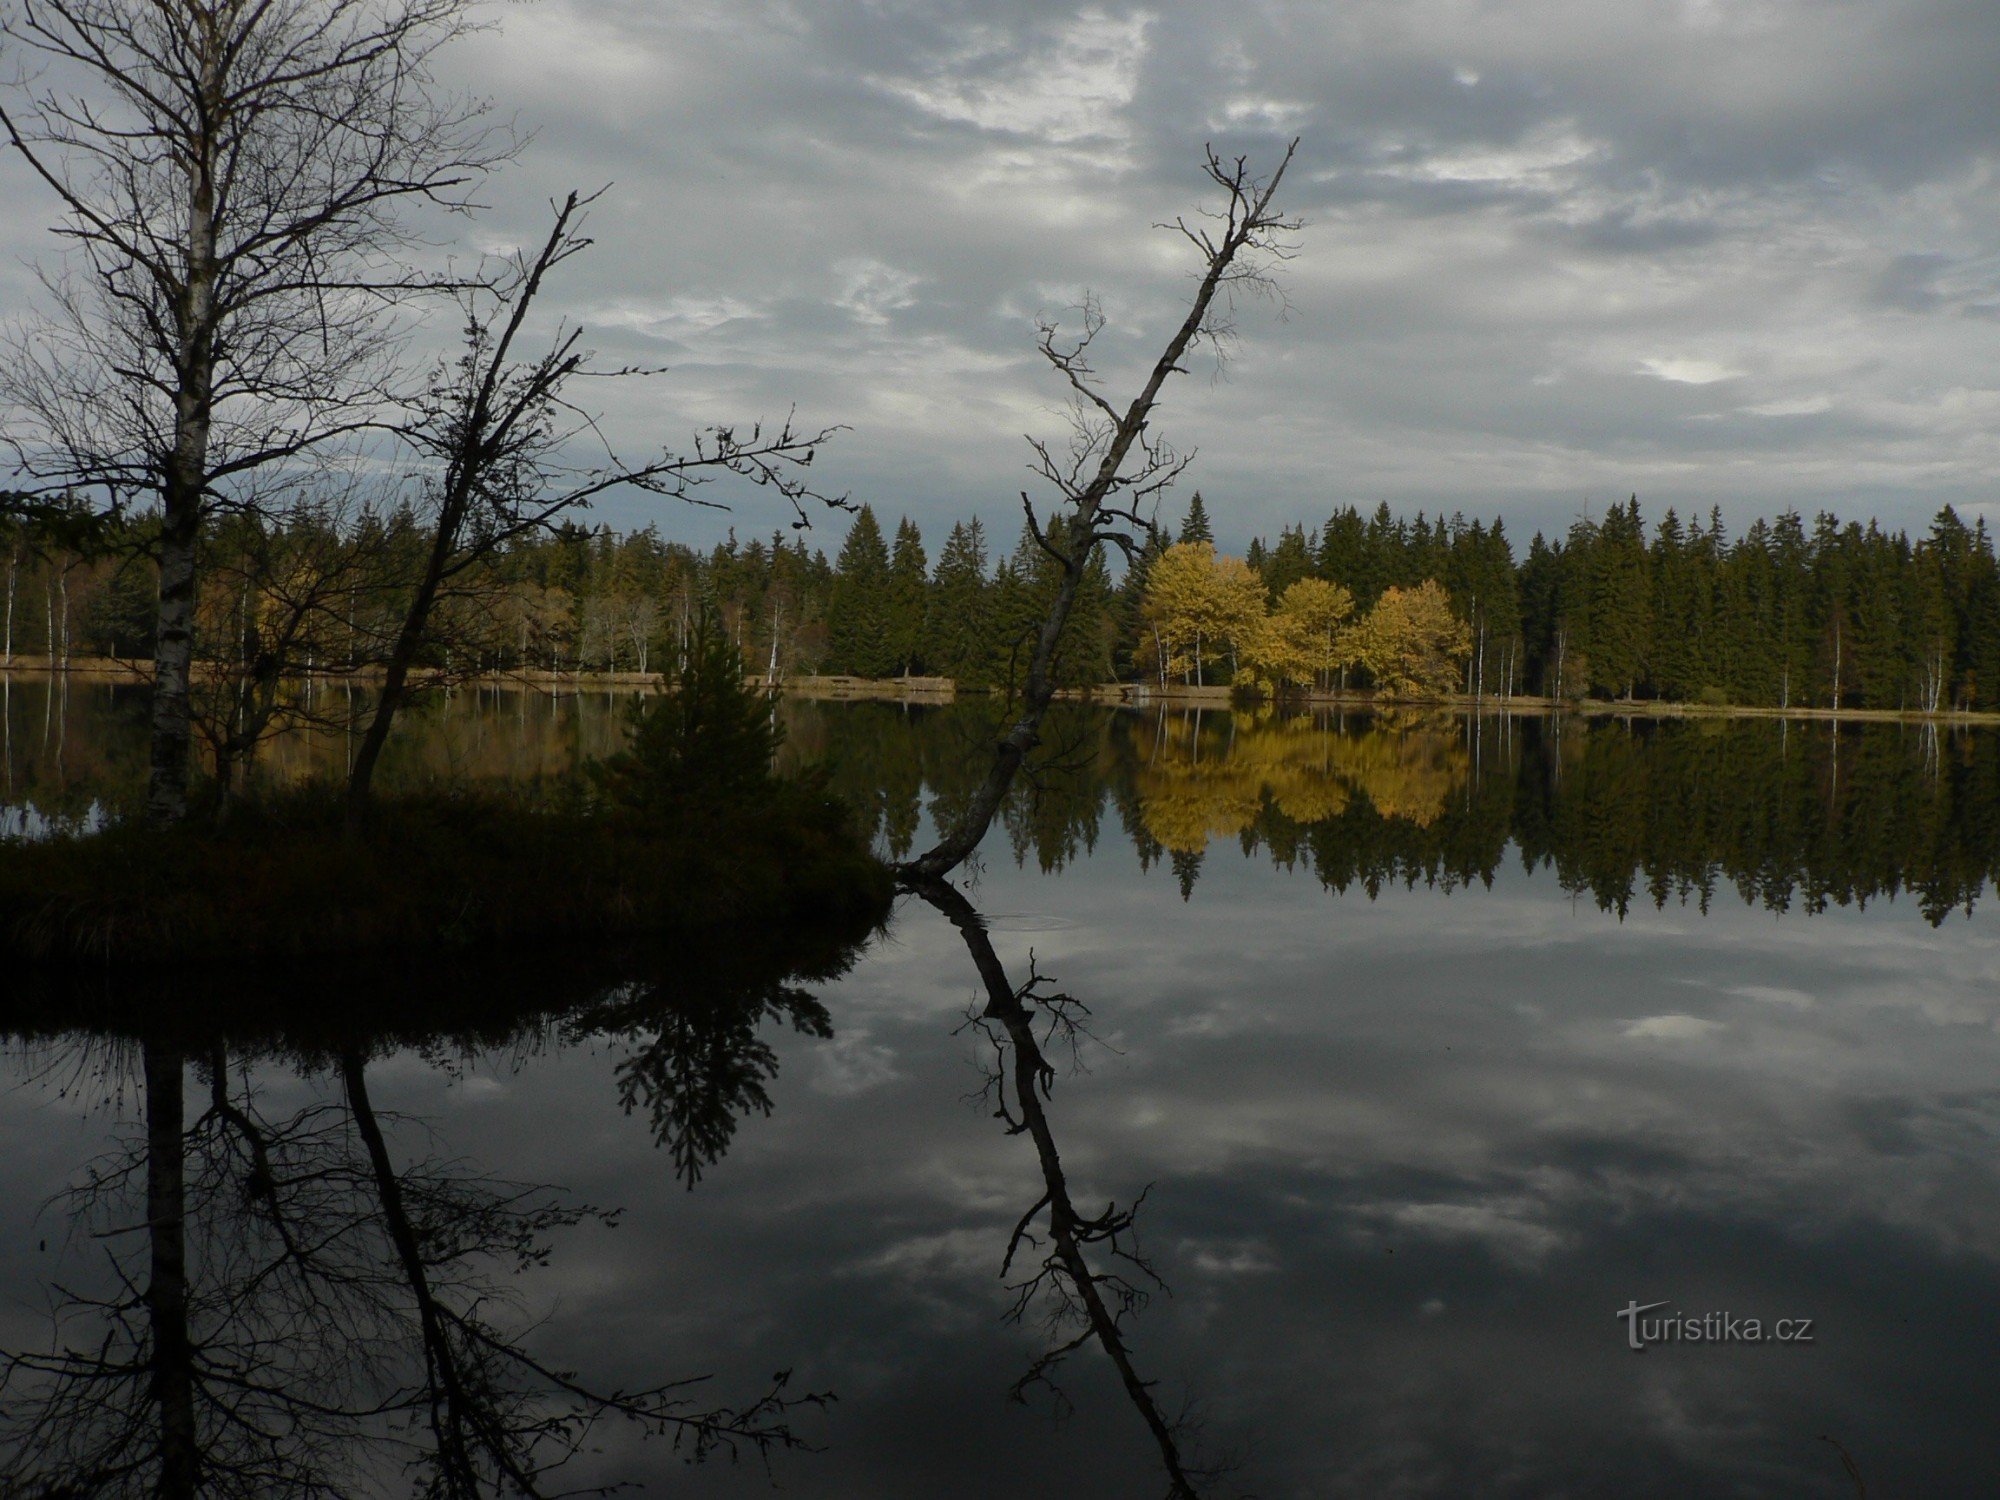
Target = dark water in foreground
(1430,1048)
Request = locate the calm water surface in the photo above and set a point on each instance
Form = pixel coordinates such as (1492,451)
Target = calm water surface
(1430,1046)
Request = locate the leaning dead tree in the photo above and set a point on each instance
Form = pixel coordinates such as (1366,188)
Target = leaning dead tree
(233,180)
(1112,462)
(505,449)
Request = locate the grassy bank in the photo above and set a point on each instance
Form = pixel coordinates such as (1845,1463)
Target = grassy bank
(285,879)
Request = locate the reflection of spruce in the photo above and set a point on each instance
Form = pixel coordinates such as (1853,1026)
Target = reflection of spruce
(1187,869)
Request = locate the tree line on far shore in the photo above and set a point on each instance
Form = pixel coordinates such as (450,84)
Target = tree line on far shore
(1786,614)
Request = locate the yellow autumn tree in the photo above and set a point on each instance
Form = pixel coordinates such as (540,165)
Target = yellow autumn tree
(1303,640)
(1201,606)
(1412,643)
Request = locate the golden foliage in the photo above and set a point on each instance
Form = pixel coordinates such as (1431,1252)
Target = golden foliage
(1195,787)
(1302,640)
(1412,643)
(1200,603)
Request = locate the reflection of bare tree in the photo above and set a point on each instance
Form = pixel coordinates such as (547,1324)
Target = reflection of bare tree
(1082,1303)
(284,1308)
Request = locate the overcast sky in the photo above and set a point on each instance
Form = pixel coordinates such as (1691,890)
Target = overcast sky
(1734,252)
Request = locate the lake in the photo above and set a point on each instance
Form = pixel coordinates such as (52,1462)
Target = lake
(1406,1072)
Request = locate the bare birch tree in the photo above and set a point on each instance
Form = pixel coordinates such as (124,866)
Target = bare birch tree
(235,179)
(1113,462)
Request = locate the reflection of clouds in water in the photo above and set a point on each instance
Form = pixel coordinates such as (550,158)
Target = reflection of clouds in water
(1508,1228)
(1772,994)
(926,1256)
(1241,1257)
(1672,1028)
(852,1064)
(1409,1155)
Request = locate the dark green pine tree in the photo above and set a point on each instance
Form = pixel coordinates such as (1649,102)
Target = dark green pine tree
(1342,555)
(1027,591)
(1540,584)
(1832,554)
(858,616)
(1621,605)
(1196,528)
(1746,649)
(1795,609)
(958,637)
(1979,634)
(1382,561)
(908,599)
(1013,620)
(1954,553)
(1479,575)
(1570,657)
(1135,646)
(1288,562)
(1671,671)
(1878,655)
(1091,635)
(1931,628)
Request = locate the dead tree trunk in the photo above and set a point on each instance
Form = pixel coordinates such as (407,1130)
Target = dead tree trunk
(1098,495)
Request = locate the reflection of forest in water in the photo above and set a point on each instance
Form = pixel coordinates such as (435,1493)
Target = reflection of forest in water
(1789,815)
(66,746)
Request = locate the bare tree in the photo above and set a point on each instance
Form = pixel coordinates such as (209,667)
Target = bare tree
(1112,462)
(234,178)
(507,451)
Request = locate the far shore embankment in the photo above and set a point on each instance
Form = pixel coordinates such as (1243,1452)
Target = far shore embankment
(137,670)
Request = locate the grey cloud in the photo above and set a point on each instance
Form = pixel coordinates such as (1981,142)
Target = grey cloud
(859,208)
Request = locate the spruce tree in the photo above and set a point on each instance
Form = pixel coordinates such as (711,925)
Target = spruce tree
(1620,601)
(1343,543)
(858,615)
(1196,528)
(1287,562)
(958,635)
(1136,653)
(907,599)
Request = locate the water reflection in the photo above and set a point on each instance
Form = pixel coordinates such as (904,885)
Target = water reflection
(1785,815)
(1404,1147)
(272,1286)
(1086,1275)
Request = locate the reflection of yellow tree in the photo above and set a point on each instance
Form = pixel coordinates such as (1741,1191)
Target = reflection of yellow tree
(1194,789)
